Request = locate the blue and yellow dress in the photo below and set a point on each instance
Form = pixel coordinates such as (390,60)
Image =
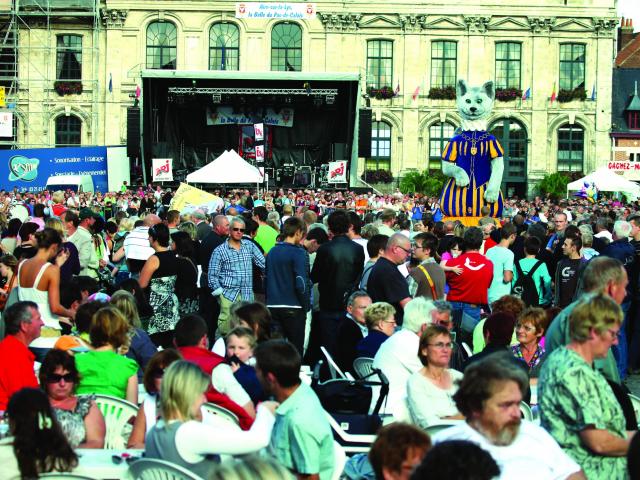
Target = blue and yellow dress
(473,151)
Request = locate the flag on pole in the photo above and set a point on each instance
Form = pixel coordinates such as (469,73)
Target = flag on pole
(553,94)
(110,84)
(527,94)
(415,93)
(397,90)
(593,93)
(138,91)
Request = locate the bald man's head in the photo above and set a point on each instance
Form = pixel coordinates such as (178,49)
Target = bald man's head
(151,220)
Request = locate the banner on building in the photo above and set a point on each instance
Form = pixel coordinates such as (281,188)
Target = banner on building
(6,124)
(337,172)
(277,10)
(29,170)
(259,153)
(162,169)
(3,97)
(226,116)
(188,198)
(258,129)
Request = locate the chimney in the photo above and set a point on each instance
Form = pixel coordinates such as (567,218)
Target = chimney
(625,33)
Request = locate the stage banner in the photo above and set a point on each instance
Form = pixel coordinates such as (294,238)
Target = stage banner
(279,10)
(188,198)
(6,124)
(226,116)
(260,153)
(337,172)
(258,129)
(162,169)
(29,170)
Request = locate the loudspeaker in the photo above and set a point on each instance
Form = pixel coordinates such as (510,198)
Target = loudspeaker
(339,151)
(364,134)
(133,132)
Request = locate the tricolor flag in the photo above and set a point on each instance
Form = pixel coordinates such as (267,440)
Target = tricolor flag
(527,94)
(593,93)
(415,93)
(553,94)
(110,84)
(138,91)
(397,90)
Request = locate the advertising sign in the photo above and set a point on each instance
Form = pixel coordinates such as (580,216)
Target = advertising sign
(258,128)
(6,124)
(188,198)
(29,170)
(162,169)
(226,116)
(283,11)
(259,153)
(337,172)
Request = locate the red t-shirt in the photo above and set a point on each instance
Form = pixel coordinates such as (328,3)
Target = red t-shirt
(16,369)
(488,243)
(207,361)
(472,285)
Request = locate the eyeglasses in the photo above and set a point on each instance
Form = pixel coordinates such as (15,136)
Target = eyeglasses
(238,229)
(402,248)
(393,322)
(56,377)
(441,345)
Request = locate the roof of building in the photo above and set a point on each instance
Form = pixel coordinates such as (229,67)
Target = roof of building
(631,50)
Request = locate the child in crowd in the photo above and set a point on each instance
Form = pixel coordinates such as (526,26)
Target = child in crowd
(240,343)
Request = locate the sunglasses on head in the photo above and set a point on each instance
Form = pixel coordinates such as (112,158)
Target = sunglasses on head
(56,377)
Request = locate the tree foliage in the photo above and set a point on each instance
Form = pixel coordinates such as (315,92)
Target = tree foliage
(554,185)
(427,182)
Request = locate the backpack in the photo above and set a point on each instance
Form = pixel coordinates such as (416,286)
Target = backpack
(525,287)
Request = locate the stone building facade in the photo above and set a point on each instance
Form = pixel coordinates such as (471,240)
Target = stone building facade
(545,57)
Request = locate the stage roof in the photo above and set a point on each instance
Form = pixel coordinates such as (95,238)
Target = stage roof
(243,75)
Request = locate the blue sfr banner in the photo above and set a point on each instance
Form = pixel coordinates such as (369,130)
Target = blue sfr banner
(28,170)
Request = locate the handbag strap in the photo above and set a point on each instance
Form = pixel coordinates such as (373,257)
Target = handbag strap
(431,284)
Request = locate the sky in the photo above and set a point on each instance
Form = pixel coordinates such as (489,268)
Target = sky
(630,9)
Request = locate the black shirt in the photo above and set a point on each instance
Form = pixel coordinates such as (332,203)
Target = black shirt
(566,281)
(386,284)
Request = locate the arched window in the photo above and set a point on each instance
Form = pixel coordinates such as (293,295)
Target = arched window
(224,46)
(513,137)
(379,63)
(380,147)
(286,47)
(570,148)
(162,45)
(68,131)
(439,135)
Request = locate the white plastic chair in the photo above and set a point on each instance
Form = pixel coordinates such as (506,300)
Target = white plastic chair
(117,413)
(221,412)
(525,409)
(154,469)
(334,369)
(362,442)
(438,427)
(339,461)
(363,366)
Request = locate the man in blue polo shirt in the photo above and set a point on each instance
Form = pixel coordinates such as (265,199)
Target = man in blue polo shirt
(301,439)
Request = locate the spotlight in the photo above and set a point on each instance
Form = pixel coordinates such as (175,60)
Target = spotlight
(330,99)
(217,98)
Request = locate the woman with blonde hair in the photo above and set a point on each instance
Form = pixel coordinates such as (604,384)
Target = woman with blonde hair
(103,370)
(180,436)
(72,265)
(141,348)
(380,320)
(577,405)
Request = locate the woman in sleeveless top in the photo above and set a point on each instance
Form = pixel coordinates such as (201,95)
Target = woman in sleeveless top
(181,438)
(39,281)
(159,274)
(186,284)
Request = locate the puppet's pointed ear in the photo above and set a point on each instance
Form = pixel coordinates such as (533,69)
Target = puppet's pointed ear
(461,88)
(490,90)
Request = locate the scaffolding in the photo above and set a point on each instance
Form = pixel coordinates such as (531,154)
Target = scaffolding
(29,53)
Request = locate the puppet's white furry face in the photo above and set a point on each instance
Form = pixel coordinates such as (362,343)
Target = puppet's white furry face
(474,103)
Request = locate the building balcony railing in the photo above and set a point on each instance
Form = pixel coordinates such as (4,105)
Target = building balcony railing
(56,7)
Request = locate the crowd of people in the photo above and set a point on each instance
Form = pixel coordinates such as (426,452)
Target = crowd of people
(118,294)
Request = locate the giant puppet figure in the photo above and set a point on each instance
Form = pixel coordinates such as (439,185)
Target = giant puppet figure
(473,159)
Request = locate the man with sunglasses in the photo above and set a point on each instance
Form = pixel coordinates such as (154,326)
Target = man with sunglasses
(230,272)
(23,324)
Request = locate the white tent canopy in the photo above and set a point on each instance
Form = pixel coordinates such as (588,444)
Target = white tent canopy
(227,168)
(607,181)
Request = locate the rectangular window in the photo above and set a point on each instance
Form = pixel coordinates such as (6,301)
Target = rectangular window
(379,63)
(380,147)
(508,57)
(570,148)
(443,64)
(633,120)
(572,61)
(69,57)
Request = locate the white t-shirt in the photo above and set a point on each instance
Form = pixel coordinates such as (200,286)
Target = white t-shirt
(223,380)
(533,455)
(428,403)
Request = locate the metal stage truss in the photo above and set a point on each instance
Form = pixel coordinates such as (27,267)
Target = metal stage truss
(252,91)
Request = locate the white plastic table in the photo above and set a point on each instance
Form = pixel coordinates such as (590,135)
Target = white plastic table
(98,464)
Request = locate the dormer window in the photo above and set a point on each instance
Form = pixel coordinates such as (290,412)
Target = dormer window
(633,120)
